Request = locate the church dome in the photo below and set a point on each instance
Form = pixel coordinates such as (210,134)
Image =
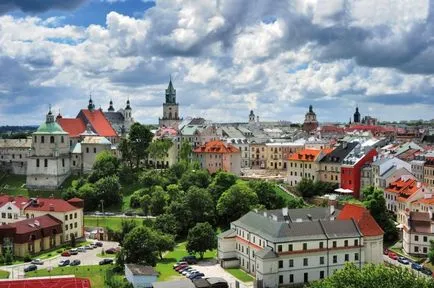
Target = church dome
(50,128)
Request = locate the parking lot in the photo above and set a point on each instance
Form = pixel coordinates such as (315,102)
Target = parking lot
(86,258)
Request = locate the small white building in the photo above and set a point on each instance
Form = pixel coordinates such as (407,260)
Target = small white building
(140,276)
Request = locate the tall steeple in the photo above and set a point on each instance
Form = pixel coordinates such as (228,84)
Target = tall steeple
(91,106)
(111,109)
(170,93)
(50,116)
(357,115)
(128,107)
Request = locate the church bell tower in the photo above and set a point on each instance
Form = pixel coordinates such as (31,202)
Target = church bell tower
(170,109)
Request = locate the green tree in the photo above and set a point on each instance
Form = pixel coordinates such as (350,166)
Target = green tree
(222,181)
(141,247)
(431,251)
(106,164)
(146,204)
(8,256)
(199,178)
(373,276)
(295,203)
(166,223)
(88,194)
(201,238)
(373,199)
(139,138)
(200,203)
(178,169)
(149,179)
(165,243)
(109,190)
(126,227)
(126,150)
(159,200)
(236,201)
(175,192)
(306,187)
(180,211)
(267,195)
(158,150)
(72,241)
(185,151)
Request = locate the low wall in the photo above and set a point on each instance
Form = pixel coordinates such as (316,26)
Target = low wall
(230,263)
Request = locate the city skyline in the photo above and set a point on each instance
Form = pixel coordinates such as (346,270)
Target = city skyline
(225,59)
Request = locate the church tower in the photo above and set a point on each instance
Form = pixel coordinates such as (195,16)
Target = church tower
(49,162)
(357,116)
(111,108)
(251,117)
(170,109)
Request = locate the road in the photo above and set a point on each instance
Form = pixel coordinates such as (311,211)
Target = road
(87,258)
(396,263)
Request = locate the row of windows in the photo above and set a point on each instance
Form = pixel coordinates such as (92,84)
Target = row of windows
(301,165)
(305,277)
(70,226)
(62,139)
(70,216)
(320,245)
(87,150)
(390,196)
(424,249)
(9,215)
(38,164)
(331,177)
(425,238)
(321,260)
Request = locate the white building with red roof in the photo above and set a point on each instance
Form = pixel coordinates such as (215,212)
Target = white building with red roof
(218,155)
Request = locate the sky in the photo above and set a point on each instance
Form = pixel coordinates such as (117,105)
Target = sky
(225,57)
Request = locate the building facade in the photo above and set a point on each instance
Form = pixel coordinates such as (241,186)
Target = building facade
(217,155)
(330,165)
(310,122)
(171,117)
(14,154)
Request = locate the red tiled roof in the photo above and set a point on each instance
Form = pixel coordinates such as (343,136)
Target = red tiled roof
(216,146)
(74,126)
(46,204)
(75,199)
(404,188)
(18,201)
(367,224)
(99,122)
(64,282)
(28,225)
(308,155)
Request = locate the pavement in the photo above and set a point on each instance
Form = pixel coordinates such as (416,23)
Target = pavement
(396,263)
(87,258)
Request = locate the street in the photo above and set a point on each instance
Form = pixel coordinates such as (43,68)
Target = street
(87,258)
(396,263)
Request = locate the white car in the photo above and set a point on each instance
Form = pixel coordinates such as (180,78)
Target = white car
(81,249)
(37,262)
(187,270)
(191,272)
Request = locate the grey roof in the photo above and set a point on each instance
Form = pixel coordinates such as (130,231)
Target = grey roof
(183,283)
(16,143)
(231,132)
(315,213)
(339,153)
(141,270)
(228,234)
(266,253)
(346,228)
(114,117)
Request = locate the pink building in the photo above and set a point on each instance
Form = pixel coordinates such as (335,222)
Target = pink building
(218,155)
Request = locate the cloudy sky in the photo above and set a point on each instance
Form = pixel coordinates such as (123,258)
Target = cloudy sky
(225,57)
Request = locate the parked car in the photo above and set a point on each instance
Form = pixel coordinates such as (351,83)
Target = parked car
(66,254)
(386,251)
(64,262)
(192,272)
(403,260)
(75,262)
(29,268)
(180,267)
(98,244)
(88,247)
(179,263)
(73,251)
(190,259)
(426,271)
(185,268)
(393,256)
(189,270)
(37,262)
(81,249)
(105,261)
(416,266)
(109,213)
(196,276)
(110,251)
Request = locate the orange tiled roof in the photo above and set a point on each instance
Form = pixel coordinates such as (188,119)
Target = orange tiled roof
(428,201)
(216,147)
(74,126)
(403,187)
(308,155)
(367,224)
(99,122)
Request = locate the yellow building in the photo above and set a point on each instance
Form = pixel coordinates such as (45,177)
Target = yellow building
(428,172)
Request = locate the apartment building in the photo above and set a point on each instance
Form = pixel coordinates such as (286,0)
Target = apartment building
(258,155)
(277,153)
(386,169)
(330,165)
(288,247)
(428,171)
(417,169)
(304,164)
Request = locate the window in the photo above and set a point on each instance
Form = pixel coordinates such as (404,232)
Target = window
(51,139)
(425,250)
(75,216)
(94,149)
(66,227)
(280,264)
(290,247)
(321,260)
(66,217)
(306,277)
(4,215)
(416,238)
(70,216)
(291,263)
(45,162)
(305,261)
(70,226)
(425,239)
(321,274)
(9,215)
(75,225)
(304,246)
(334,244)
(62,139)
(291,278)
(63,162)
(42,139)
(37,162)
(347,257)
(279,248)
(280,279)
(335,259)
(36,139)
(356,242)
(346,243)
(321,245)
(87,149)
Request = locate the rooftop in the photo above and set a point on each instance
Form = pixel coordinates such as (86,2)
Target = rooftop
(367,224)
(141,270)
(306,155)
(74,126)
(216,146)
(16,143)
(64,282)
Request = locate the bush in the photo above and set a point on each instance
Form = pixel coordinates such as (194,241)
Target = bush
(60,251)
(49,255)
(27,258)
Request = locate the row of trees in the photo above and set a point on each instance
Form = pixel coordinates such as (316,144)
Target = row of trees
(309,188)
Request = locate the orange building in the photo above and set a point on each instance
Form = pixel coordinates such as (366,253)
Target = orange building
(218,155)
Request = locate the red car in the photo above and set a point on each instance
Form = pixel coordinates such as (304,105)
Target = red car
(393,256)
(181,267)
(66,254)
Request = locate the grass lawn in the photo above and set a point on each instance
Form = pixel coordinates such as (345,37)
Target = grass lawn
(95,273)
(165,266)
(14,185)
(113,223)
(4,274)
(282,193)
(240,274)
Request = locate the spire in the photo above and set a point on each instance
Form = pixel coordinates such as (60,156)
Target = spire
(310,109)
(170,93)
(111,109)
(128,107)
(50,116)
(91,106)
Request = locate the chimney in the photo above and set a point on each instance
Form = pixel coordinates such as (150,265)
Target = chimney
(332,212)
(51,207)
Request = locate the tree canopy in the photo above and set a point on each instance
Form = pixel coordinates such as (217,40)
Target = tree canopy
(158,149)
(201,238)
